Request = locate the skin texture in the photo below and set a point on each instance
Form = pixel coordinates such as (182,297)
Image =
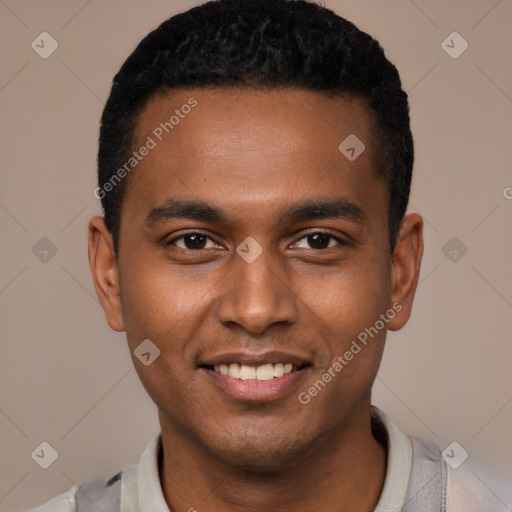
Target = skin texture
(253,154)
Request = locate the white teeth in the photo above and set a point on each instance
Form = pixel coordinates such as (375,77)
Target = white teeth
(264,372)
(278,370)
(247,372)
(234,370)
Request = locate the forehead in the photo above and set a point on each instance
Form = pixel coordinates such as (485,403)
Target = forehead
(267,146)
(304,118)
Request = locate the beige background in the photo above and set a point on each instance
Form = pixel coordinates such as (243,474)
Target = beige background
(66,379)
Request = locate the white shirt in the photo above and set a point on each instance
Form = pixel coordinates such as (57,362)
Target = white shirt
(466,491)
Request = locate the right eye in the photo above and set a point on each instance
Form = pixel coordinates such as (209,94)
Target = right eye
(192,241)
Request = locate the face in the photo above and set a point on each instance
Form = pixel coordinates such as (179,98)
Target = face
(249,238)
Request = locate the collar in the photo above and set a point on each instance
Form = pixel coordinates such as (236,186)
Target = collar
(145,481)
(150,494)
(398,466)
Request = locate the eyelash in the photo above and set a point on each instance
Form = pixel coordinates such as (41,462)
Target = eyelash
(331,236)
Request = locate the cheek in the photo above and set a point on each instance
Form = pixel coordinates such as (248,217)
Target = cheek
(159,302)
(158,307)
(351,299)
(346,310)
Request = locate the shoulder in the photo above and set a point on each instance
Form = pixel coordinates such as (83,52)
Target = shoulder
(100,495)
(90,496)
(63,503)
(471,486)
(452,481)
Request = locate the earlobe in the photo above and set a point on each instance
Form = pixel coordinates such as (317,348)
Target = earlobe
(104,271)
(405,268)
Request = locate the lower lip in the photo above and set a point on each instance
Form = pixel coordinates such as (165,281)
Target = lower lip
(256,390)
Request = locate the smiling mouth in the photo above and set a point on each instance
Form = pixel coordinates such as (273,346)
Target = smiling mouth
(250,372)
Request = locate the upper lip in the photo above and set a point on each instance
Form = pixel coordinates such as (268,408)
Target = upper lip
(253,359)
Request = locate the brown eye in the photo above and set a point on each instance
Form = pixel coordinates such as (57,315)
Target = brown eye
(191,241)
(320,240)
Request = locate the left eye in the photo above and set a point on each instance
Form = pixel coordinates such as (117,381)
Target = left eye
(320,240)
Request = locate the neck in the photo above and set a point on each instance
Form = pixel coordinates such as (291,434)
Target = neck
(345,470)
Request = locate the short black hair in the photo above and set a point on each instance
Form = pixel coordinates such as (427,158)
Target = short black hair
(259,44)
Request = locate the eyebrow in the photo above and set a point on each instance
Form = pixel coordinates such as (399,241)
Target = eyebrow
(337,208)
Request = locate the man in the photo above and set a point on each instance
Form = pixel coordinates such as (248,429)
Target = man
(255,161)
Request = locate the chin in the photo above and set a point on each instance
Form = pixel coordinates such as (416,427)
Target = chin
(255,453)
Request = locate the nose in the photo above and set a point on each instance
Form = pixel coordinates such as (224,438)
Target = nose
(257,295)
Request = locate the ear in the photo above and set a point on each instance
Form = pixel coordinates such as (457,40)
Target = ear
(105,273)
(405,268)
